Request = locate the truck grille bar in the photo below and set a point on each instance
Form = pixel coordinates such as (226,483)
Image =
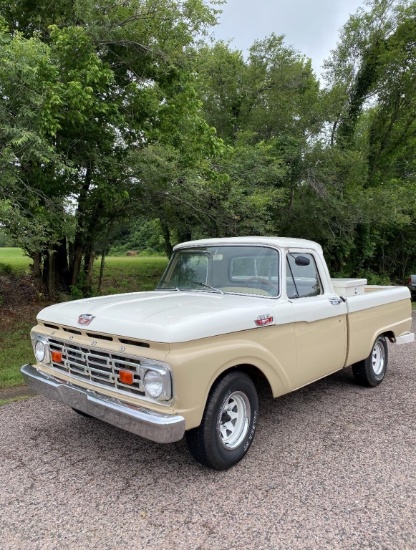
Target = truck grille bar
(97,366)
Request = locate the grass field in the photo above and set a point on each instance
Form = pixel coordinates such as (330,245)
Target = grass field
(15,347)
(121,274)
(129,274)
(15,258)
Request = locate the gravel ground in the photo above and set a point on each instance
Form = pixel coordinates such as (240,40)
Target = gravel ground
(332,466)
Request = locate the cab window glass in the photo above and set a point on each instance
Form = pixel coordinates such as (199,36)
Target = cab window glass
(251,270)
(190,269)
(302,277)
(265,266)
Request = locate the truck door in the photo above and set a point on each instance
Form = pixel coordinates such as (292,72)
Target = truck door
(320,318)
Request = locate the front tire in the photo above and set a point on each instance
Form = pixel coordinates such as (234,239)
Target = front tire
(371,371)
(228,425)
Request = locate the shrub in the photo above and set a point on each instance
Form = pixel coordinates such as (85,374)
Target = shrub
(6,269)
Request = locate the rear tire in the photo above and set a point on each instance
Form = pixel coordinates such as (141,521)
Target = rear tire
(371,371)
(228,425)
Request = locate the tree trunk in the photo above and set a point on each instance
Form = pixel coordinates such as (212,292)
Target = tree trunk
(102,265)
(76,266)
(51,273)
(61,265)
(36,269)
(88,265)
(184,234)
(48,274)
(166,238)
(103,254)
(81,230)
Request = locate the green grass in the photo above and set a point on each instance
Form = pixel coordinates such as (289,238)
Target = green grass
(129,274)
(121,274)
(13,400)
(15,257)
(15,345)
(15,351)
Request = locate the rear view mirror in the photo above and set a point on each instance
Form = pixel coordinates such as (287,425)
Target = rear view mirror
(302,261)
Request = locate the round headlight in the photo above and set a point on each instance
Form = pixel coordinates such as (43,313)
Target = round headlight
(153,383)
(40,351)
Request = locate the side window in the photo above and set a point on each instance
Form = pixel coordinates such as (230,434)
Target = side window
(302,277)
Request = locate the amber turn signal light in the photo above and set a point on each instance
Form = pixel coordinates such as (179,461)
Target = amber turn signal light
(126,376)
(56,356)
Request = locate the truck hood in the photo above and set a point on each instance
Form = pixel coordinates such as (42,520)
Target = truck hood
(163,316)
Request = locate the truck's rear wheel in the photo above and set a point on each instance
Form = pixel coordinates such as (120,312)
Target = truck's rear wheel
(228,425)
(371,371)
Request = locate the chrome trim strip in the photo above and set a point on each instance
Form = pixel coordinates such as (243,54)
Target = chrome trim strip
(162,428)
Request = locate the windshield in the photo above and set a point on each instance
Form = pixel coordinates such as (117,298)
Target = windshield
(250,270)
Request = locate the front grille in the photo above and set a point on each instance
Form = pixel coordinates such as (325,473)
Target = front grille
(100,367)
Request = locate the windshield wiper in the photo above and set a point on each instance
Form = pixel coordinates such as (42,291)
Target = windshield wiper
(177,289)
(217,290)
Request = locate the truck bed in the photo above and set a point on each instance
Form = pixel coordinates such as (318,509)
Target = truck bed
(379,309)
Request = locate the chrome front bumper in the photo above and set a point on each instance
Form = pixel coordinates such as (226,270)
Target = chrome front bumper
(162,428)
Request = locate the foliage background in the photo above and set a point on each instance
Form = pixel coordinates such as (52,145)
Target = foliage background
(123,127)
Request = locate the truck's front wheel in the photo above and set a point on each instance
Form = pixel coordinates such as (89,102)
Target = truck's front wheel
(228,425)
(372,370)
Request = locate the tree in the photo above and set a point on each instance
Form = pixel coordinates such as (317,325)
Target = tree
(371,74)
(266,108)
(29,92)
(118,80)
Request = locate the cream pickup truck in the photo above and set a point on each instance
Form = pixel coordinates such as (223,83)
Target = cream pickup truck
(185,359)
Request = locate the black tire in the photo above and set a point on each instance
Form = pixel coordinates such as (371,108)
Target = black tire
(221,440)
(371,371)
(82,413)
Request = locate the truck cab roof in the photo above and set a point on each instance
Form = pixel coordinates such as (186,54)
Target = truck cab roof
(278,242)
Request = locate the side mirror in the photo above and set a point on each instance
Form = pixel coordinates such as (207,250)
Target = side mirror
(302,261)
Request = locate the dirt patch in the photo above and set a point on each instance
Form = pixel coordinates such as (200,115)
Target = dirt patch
(20,300)
(16,290)
(17,391)
(12,317)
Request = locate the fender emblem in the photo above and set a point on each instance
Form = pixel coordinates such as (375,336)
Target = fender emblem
(263,320)
(85,319)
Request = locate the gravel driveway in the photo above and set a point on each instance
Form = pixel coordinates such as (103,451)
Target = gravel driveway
(332,466)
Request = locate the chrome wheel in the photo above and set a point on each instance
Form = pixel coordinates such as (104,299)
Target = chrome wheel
(234,420)
(229,422)
(371,371)
(378,358)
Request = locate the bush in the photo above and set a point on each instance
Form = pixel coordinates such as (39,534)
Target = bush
(374,278)
(6,269)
